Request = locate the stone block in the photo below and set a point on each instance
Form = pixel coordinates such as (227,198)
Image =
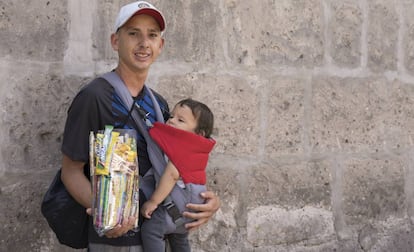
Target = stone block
(233,100)
(23,226)
(408,42)
(272,226)
(284,115)
(103,27)
(327,245)
(348,114)
(226,176)
(400,123)
(24,27)
(373,189)
(293,34)
(345,30)
(193,31)
(288,33)
(393,234)
(383,26)
(290,185)
(34,113)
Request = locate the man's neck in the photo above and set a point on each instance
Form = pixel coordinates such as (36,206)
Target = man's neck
(133,80)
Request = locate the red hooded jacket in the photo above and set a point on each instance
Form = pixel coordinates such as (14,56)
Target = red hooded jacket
(186,150)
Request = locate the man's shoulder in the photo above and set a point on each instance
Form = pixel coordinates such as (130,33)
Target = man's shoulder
(159,97)
(95,91)
(96,83)
(96,87)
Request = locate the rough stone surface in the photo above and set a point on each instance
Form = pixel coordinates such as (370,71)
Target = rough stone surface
(33,109)
(25,29)
(345,28)
(408,44)
(356,126)
(307,225)
(382,32)
(285,107)
(314,109)
(373,189)
(290,185)
(293,35)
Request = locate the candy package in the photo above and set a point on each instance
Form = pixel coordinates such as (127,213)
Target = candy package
(114,177)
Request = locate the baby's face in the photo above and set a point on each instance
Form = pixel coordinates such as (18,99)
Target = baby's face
(182,118)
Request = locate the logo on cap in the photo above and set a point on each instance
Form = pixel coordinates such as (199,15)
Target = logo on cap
(143,5)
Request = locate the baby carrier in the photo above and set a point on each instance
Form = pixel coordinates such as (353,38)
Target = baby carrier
(176,202)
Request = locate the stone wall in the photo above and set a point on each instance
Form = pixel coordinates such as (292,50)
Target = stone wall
(314,106)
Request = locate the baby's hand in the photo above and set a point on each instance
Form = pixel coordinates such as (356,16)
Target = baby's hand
(148,208)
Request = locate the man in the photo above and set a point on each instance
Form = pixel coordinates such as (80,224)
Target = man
(138,40)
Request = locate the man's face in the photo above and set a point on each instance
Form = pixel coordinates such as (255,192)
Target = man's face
(138,43)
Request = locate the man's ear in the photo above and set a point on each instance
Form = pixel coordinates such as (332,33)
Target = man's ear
(114,41)
(162,44)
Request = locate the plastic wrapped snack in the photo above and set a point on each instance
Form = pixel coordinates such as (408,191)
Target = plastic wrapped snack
(114,177)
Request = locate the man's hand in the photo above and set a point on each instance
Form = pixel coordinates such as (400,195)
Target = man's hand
(119,230)
(203,211)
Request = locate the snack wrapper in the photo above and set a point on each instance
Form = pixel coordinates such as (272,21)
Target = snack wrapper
(114,176)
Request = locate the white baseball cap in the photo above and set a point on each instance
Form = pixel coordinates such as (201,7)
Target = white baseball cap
(140,7)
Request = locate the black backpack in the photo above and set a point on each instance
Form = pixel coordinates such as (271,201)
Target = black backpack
(65,216)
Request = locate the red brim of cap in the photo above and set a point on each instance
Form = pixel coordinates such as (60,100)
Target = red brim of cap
(155,14)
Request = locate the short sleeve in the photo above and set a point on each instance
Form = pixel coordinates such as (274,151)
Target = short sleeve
(90,111)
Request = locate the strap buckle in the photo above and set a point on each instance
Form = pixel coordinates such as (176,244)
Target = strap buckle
(173,210)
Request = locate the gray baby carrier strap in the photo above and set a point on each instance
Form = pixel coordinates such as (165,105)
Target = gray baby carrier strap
(175,203)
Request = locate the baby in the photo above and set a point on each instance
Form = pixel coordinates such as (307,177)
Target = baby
(185,139)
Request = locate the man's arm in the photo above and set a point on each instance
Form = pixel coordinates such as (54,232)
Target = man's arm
(203,211)
(76,182)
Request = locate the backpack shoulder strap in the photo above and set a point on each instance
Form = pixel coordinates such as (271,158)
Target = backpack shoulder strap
(154,152)
(158,113)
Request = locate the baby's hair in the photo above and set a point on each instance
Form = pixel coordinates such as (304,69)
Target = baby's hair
(203,115)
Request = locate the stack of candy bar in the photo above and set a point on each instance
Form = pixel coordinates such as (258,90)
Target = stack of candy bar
(114,177)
